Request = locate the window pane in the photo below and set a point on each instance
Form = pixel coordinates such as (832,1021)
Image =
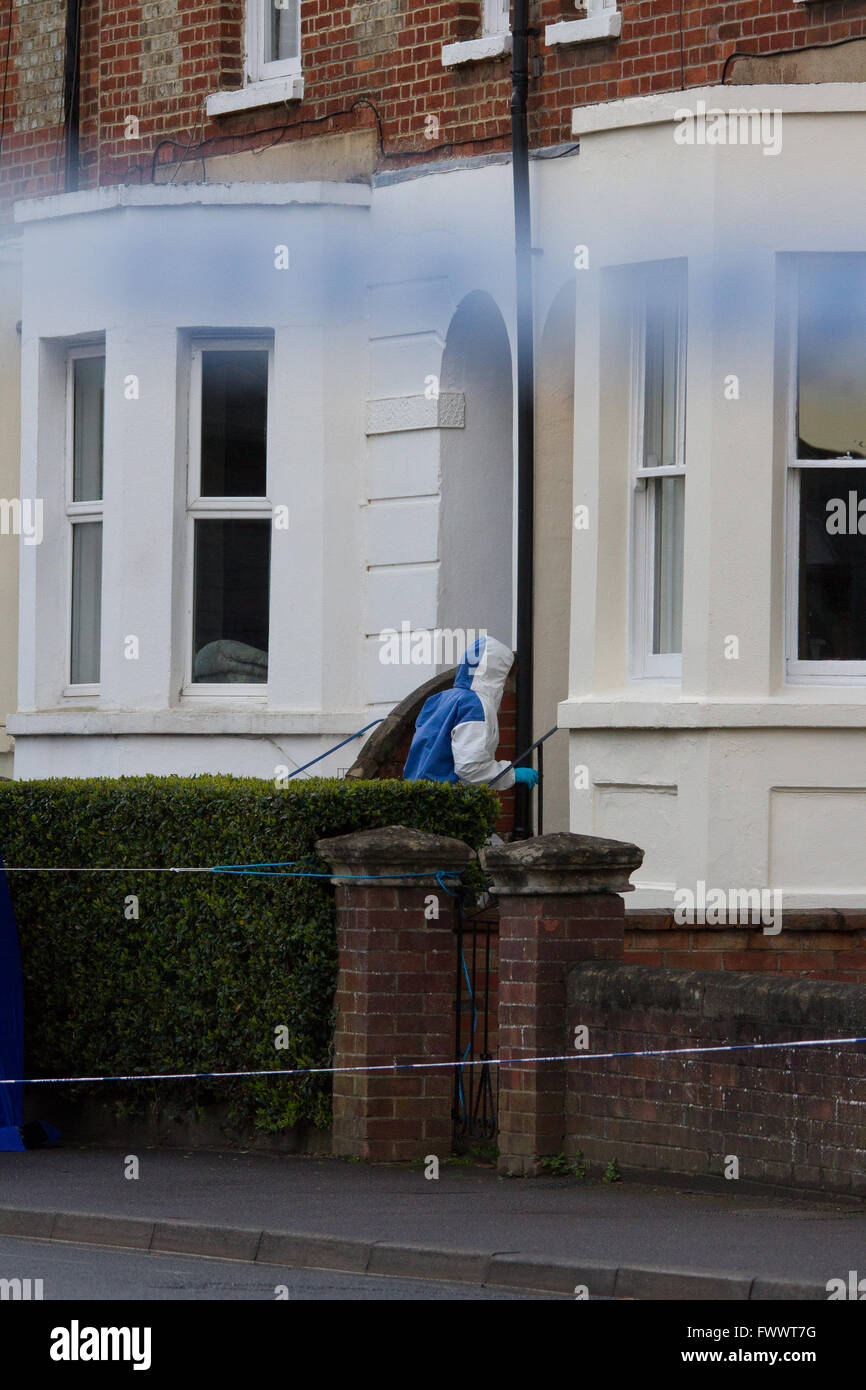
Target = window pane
(832,591)
(661,380)
(232,585)
(88,393)
(832,358)
(234,424)
(668,515)
(86,602)
(282,24)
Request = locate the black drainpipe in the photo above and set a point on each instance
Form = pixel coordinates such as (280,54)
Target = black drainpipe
(72,93)
(525,398)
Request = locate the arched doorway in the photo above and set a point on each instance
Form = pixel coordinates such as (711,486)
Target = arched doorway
(475,540)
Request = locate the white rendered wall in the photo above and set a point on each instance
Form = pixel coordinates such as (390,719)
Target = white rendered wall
(733,776)
(10,390)
(147,277)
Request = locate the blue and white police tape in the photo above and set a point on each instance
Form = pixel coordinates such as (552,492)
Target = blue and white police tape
(418,1066)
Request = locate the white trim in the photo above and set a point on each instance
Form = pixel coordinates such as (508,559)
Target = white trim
(234,716)
(106,199)
(604,24)
(269,93)
(637,708)
(801,98)
(255,67)
(643,662)
(476,50)
(91,510)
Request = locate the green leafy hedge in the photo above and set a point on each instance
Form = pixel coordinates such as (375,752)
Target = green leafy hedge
(215,963)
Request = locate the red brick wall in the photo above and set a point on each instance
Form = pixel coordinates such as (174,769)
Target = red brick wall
(791,1116)
(158,61)
(819,945)
(394,999)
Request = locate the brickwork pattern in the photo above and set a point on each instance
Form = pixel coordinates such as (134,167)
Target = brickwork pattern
(159,60)
(821,945)
(540,940)
(792,1117)
(394,999)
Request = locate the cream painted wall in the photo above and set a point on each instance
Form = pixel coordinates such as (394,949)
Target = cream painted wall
(10,391)
(735,775)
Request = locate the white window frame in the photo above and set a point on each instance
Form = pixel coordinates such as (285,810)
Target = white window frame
(495,40)
(219,508)
(255,65)
(265,84)
(495,17)
(78,512)
(798,671)
(644,663)
(602,20)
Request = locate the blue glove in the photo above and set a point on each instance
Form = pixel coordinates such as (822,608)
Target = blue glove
(527,775)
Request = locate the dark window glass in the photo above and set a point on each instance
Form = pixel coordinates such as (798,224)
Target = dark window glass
(832,597)
(86,602)
(232,583)
(234,423)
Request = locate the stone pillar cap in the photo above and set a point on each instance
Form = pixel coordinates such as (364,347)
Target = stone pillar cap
(395,855)
(562,863)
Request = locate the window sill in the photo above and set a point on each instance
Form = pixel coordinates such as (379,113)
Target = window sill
(255,94)
(476,50)
(589,30)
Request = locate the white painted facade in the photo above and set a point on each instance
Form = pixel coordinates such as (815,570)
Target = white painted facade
(391,444)
(739,771)
(389,441)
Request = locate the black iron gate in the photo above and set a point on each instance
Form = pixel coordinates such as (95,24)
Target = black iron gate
(476,1083)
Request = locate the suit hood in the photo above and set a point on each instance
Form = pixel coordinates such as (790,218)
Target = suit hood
(484,668)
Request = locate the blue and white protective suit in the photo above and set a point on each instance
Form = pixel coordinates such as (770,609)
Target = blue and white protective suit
(457,731)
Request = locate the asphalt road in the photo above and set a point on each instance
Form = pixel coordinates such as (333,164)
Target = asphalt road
(93,1272)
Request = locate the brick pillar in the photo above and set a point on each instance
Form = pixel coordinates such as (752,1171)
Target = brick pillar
(559,905)
(395,991)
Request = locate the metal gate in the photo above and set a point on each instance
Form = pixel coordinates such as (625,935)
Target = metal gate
(476,1083)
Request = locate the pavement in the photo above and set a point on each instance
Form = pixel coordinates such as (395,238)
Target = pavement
(549,1234)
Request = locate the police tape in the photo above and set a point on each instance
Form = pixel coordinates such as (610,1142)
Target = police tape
(417,1066)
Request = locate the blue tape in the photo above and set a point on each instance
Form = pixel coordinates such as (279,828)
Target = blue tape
(417,1066)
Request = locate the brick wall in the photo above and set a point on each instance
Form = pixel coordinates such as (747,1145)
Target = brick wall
(821,945)
(160,59)
(394,999)
(792,1116)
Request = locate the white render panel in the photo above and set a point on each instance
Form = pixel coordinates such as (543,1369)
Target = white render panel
(390,683)
(817,838)
(403,593)
(402,532)
(400,366)
(403,465)
(398,308)
(137,756)
(648,816)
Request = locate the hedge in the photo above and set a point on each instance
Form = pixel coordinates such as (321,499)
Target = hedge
(215,963)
